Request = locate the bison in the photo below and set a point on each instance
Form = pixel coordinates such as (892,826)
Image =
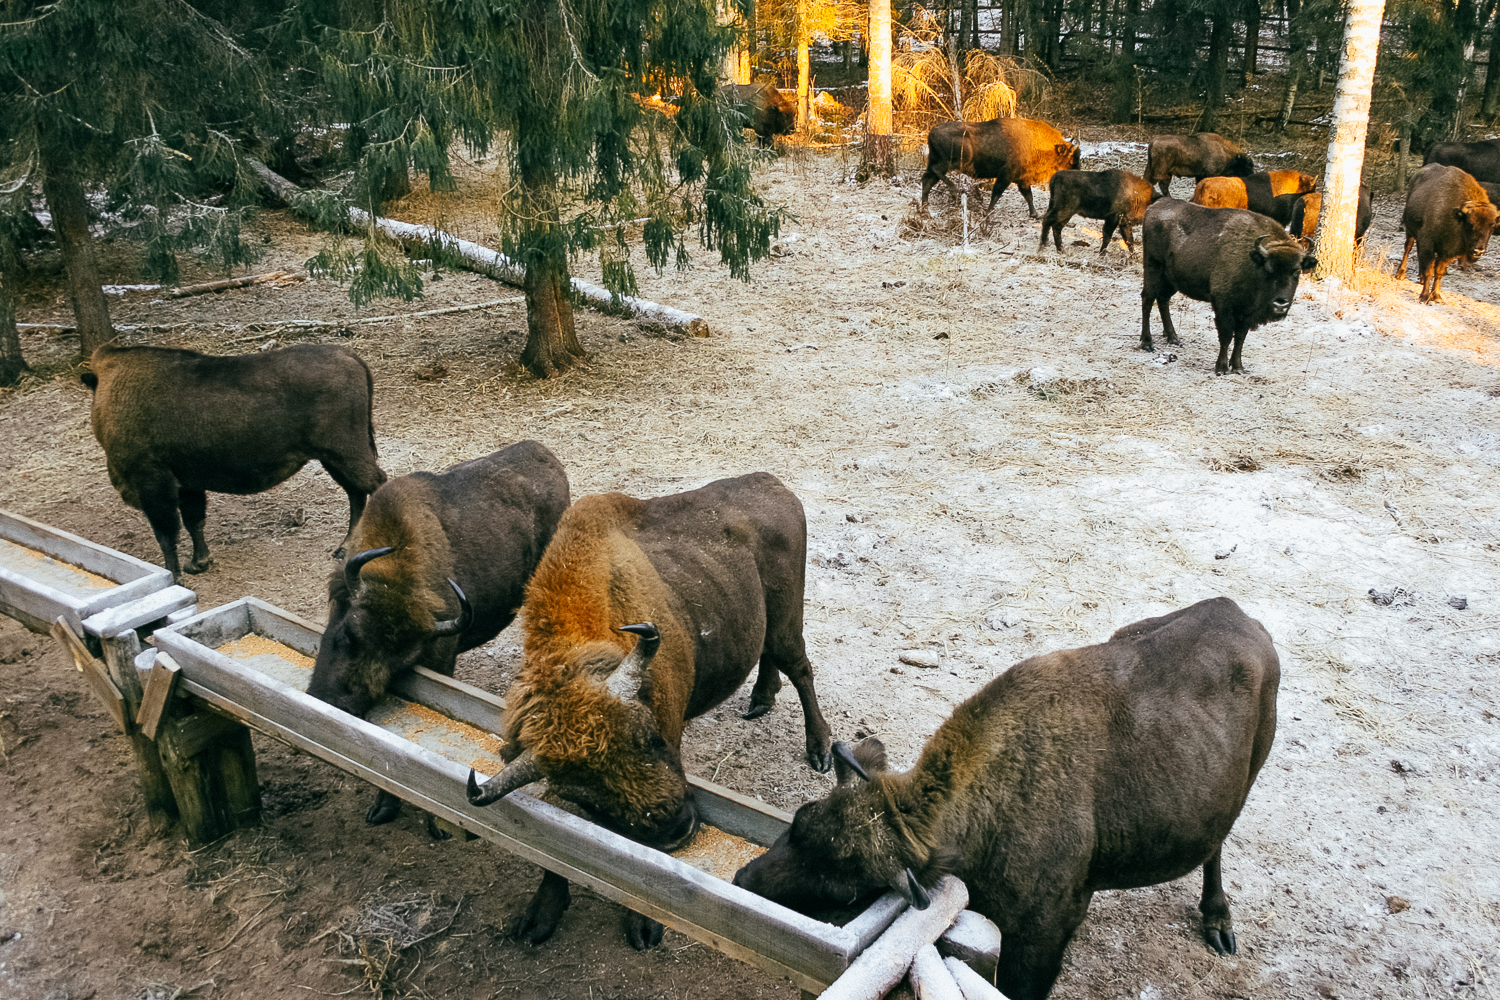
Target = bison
(764,108)
(1204,154)
(176,425)
(1221,192)
(645,614)
(1108,767)
(1241,262)
(1480,160)
(1118,197)
(1447,216)
(440,566)
(1015,151)
(1303,220)
(1258,192)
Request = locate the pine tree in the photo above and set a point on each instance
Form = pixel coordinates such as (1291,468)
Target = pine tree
(140,97)
(563,86)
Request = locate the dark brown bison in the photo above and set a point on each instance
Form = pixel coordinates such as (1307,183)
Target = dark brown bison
(1480,160)
(440,566)
(1108,767)
(1203,154)
(642,615)
(764,108)
(1447,216)
(1015,151)
(1118,197)
(1258,192)
(1303,219)
(176,425)
(1241,262)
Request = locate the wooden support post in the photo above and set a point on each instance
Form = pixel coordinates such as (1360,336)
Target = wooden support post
(119,655)
(210,762)
(158,692)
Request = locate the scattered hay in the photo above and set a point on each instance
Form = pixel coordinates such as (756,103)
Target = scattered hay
(1236,460)
(377,939)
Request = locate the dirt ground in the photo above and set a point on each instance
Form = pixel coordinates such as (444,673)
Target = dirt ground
(1028,482)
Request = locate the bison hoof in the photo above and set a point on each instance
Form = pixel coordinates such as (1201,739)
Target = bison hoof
(641,932)
(197,566)
(820,758)
(1221,941)
(541,918)
(385,809)
(757,709)
(1146,346)
(434,831)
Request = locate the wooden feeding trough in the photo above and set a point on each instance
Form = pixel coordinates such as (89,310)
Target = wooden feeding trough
(46,574)
(252,661)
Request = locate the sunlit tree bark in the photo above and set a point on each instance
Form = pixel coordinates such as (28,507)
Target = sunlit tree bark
(878,151)
(1346,146)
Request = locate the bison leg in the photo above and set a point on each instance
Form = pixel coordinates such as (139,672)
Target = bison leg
(1155,289)
(1054,222)
(544,911)
(641,932)
(1439,268)
(158,496)
(1429,283)
(930,178)
(1031,961)
(1401,267)
(1109,230)
(194,505)
(359,478)
(384,809)
(1218,928)
(1030,205)
(1229,333)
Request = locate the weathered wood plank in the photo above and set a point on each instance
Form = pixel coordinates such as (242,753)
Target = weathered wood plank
(881,966)
(930,978)
(164,674)
(133,614)
(210,762)
(37,601)
(94,672)
(75,549)
(454,698)
(120,654)
(760,932)
(972,984)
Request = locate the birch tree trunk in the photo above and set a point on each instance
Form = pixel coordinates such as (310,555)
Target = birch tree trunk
(1346,146)
(804,66)
(878,157)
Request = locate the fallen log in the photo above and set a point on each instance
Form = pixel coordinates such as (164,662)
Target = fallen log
(498,266)
(218,286)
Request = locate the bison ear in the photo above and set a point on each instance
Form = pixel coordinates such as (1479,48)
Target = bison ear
(859,761)
(1309,262)
(1258,253)
(89,379)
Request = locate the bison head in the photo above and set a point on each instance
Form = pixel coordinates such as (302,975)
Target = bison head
(1239,165)
(590,730)
(1478,221)
(378,627)
(1283,264)
(858,841)
(1069,156)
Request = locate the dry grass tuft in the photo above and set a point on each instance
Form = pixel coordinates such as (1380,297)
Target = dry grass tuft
(378,938)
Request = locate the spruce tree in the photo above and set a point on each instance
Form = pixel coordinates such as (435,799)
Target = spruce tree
(142,99)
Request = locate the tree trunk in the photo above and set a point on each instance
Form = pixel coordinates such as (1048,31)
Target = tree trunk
(971,11)
(878,158)
(1132,18)
(1346,149)
(1252,38)
(1296,59)
(752,45)
(958,86)
(551,342)
(1218,66)
(804,66)
(11,362)
(70,221)
(1492,74)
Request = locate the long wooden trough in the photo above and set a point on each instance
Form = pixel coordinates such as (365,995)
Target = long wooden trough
(252,661)
(46,574)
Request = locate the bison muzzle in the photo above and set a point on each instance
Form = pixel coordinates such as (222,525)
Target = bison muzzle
(1108,767)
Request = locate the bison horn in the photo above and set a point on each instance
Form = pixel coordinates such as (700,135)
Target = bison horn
(846,756)
(518,773)
(453,626)
(355,563)
(914,893)
(629,677)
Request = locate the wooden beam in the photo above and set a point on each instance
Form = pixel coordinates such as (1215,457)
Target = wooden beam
(882,965)
(93,672)
(143,611)
(164,674)
(930,978)
(120,653)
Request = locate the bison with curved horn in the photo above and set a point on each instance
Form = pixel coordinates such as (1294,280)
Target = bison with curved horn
(645,614)
(1108,767)
(440,566)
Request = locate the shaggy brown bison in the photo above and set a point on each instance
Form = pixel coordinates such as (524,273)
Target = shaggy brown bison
(1108,767)
(1447,216)
(176,425)
(764,108)
(1118,197)
(1204,154)
(642,615)
(440,566)
(1241,262)
(1015,151)
(1480,160)
(1288,181)
(1303,220)
(1221,192)
(1258,192)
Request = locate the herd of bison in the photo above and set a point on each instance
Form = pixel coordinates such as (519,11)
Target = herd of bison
(1066,775)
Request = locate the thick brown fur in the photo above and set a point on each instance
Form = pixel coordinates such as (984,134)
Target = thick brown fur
(1480,160)
(1221,192)
(1113,766)
(1303,220)
(1241,262)
(1290,182)
(1203,154)
(1117,197)
(765,109)
(1015,151)
(176,425)
(720,572)
(1448,215)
